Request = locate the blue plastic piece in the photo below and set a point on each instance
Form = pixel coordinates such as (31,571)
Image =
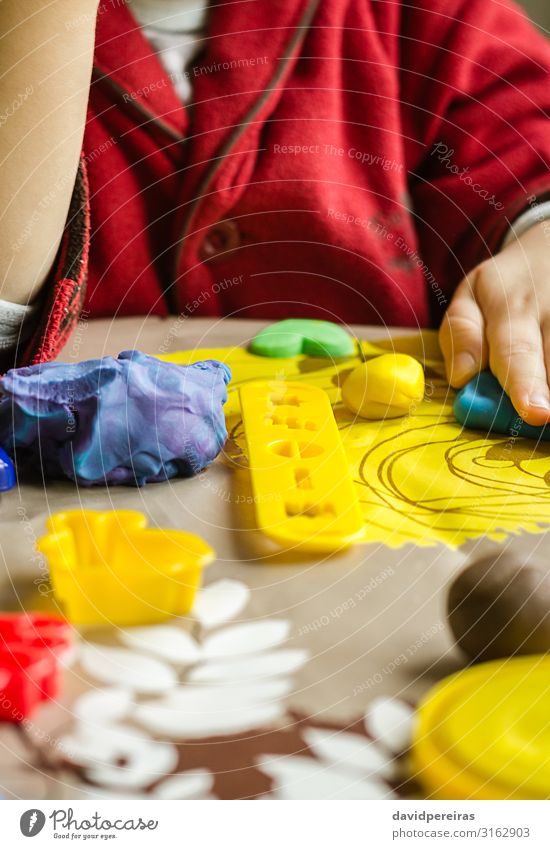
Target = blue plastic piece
(7,473)
(483,405)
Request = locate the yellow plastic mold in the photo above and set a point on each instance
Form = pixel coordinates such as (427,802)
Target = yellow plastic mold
(303,492)
(484,733)
(108,567)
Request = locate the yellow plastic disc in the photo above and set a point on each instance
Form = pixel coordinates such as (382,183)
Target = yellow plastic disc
(484,733)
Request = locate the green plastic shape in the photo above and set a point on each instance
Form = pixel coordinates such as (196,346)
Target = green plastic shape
(309,336)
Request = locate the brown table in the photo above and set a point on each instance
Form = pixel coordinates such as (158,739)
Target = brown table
(391,639)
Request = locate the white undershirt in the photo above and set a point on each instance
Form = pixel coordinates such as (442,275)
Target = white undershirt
(176,29)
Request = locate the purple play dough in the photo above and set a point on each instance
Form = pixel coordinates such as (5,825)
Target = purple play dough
(131,420)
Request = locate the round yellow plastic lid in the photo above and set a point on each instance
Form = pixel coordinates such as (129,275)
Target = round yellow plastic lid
(484,733)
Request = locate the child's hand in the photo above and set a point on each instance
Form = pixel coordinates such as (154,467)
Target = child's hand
(499,318)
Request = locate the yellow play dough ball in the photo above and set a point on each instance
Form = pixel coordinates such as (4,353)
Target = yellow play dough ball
(384,387)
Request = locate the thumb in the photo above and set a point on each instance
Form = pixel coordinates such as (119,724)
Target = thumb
(462,335)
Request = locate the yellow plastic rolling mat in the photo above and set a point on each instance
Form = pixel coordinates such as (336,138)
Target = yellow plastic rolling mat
(303,491)
(420,479)
(484,733)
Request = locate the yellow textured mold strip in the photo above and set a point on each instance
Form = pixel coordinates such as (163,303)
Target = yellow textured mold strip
(303,493)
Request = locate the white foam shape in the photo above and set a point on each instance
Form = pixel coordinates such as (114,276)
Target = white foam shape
(103,706)
(69,655)
(86,747)
(267,665)
(193,784)
(172,721)
(227,696)
(220,602)
(390,722)
(88,791)
(146,762)
(84,750)
(165,641)
(120,757)
(126,668)
(248,638)
(350,752)
(305,778)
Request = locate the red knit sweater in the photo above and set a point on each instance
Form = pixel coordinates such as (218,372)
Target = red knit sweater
(342,159)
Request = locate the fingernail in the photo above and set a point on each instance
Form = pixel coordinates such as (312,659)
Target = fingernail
(540,401)
(464,365)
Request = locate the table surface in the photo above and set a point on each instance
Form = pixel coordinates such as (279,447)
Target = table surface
(391,638)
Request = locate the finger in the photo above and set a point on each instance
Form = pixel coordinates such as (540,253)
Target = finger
(517,360)
(462,335)
(545,331)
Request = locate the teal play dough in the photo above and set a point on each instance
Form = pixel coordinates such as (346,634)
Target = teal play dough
(303,336)
(483,405)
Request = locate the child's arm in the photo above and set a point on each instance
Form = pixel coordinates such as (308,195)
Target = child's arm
(46,49)
(476,106)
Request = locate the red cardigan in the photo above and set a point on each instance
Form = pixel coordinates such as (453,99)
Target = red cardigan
(342,159)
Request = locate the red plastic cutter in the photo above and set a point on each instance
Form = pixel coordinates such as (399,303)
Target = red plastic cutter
(31,647)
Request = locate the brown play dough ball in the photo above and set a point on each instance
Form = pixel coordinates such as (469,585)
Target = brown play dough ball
(499,606)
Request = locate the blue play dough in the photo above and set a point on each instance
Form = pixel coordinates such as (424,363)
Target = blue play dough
(130,420)
(483,405)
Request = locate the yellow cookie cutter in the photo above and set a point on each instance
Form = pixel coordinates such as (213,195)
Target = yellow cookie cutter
(108,567)
(303,492)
